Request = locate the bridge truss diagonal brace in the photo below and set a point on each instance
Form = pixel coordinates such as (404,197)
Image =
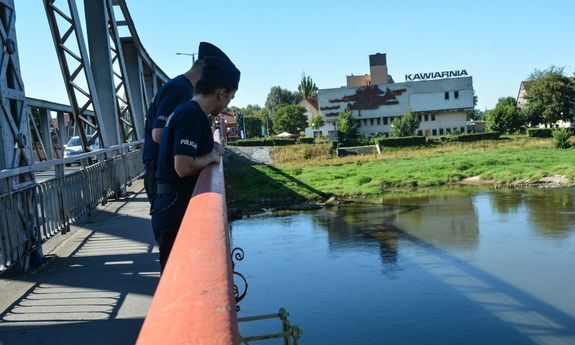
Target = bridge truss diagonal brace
(79,112)
(15,147)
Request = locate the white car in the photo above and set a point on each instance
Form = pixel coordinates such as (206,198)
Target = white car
(74,147)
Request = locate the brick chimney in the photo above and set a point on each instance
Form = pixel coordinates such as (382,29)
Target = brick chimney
(378,69)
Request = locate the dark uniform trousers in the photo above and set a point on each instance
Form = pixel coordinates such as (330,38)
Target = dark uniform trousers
(150,180)
(167,214)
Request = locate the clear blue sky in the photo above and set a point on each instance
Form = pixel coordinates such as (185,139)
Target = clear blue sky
(499,43)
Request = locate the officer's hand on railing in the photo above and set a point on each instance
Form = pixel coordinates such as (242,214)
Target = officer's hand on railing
(216,156)
(219,148)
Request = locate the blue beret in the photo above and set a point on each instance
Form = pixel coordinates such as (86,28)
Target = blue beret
(220,72)
(207,49)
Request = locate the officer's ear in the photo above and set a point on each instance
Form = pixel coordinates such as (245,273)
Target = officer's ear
(226,94)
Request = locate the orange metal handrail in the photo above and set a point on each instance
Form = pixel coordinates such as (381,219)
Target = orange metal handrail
(194,302)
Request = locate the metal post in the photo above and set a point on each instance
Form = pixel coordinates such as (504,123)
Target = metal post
(135,82)
(62,130)
(102,70)
(46,137)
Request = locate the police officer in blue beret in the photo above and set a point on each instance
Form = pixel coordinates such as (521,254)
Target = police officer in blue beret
(187,146)
(173,93)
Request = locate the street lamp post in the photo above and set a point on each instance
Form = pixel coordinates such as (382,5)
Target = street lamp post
(193,55)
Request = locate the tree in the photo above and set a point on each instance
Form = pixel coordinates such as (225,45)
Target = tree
(347,127)
(307,87)
(405,126)
(253,126)
(264,116)
(251,110)
(290,118)
(315,122)
(505,118)
(550,97)
(279,97)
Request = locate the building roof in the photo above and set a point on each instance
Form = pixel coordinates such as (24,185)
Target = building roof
(229,117)
(312,101)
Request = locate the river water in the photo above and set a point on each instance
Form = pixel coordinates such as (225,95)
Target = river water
(478,268)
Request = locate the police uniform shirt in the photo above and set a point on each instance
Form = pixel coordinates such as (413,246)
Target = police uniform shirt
(188,132)
(175,92)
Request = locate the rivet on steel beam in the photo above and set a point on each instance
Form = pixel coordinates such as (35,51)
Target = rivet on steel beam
(9,46)
(21,140)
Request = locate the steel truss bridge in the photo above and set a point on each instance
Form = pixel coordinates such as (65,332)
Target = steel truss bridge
(110,80)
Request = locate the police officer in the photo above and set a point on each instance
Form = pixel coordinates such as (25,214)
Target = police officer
(187,146)
(173,93)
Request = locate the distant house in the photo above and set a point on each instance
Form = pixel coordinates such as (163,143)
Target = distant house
(522,103)
(312,108)
(229,125)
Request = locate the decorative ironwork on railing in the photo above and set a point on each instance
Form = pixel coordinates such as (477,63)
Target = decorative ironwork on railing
(289,333)
(241,290)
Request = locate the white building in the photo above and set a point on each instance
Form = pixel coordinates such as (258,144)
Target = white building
(522,103)
(440,104)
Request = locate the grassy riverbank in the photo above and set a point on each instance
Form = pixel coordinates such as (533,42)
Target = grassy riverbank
(310,172)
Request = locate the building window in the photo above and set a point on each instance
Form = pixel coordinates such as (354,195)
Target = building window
(378,121)
(456,94)
(432,117)
(446,95)
(448,131)
(434,132)
(385,120)
(441,131)
(391,119)
(462,129)
(419,118)
(371,122)
(419,133)
(426,117)
(365,122)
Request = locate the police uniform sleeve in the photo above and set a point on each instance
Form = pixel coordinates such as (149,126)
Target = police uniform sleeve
(169,101)
(187,137)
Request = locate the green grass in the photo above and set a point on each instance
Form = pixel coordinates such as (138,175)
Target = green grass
(514,160)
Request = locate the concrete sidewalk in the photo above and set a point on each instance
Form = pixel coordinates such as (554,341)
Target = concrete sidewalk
(95,289)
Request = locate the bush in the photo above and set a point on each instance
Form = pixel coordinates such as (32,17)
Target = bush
(476,136)
(401,142)
(562,137)
(305,140)
(540,132)
(363,180)
(262,142)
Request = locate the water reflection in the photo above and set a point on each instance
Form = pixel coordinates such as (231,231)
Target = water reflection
(429,270)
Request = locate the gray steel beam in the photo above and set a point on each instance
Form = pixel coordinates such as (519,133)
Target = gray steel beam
(40,103)
(150,86)
(136,40)
(102,69)
(135,82)
(62,130)
(45,134)
(82,122)
(15,146)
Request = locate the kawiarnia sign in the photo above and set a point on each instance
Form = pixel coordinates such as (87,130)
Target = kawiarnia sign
(435,75)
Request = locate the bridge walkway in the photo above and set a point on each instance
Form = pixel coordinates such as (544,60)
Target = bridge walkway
(95,288)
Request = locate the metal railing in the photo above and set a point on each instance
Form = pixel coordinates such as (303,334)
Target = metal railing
(194,302)
(48,208)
